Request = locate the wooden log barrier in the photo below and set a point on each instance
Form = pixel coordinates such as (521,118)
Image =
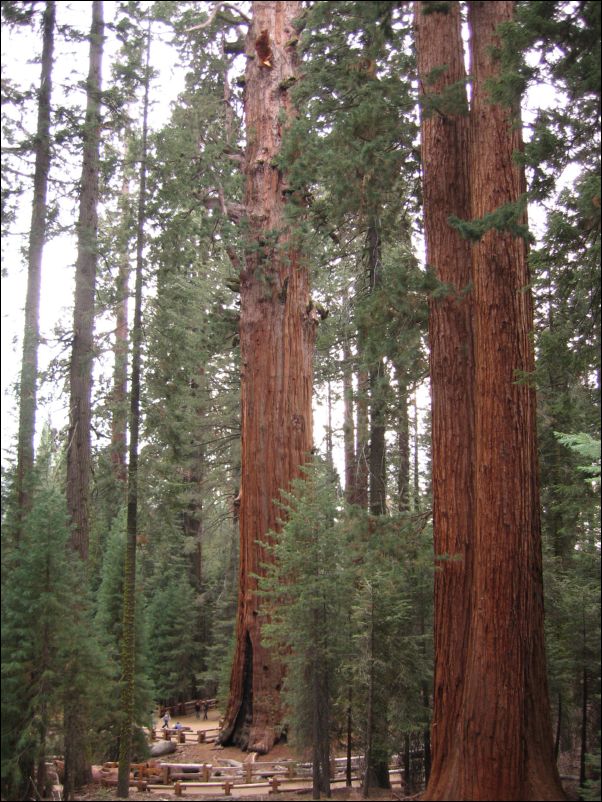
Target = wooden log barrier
(291,770)
(274,785)
(200,736)
(206,773)
(166,735)
(227,786)
(181,737)
(177,789)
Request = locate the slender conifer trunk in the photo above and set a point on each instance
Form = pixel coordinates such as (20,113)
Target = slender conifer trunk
(128,641)
(121,346)
(362,435)
(82,353)
(348,423)
(37,237)
(277,332)
(377,380)
(78,770)
(403,441)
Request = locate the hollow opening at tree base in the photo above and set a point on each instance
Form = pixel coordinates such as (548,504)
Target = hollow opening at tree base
(244,718)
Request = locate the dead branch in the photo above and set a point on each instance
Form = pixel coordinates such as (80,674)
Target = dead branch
(215,11)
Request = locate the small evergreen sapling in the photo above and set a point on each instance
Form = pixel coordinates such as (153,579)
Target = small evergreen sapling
(307,593)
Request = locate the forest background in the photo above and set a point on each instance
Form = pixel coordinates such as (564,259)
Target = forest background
(355,185)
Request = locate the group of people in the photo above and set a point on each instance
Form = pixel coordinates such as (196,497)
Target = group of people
(199,706)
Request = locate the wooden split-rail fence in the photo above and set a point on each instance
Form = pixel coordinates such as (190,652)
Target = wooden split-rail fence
(187,735)
(187,708)
(230,775)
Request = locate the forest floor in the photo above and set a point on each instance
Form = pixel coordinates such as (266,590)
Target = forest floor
(210,753)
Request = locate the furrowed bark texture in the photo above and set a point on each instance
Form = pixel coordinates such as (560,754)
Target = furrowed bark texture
(491,728)
(446,191)
(120,348)
(507,730)
(37,237)
(128,639)
(82,353)
(277,332)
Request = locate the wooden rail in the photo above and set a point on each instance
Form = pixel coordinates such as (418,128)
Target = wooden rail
(231,775)
(187,734)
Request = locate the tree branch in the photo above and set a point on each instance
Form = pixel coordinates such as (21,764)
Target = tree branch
(216,9)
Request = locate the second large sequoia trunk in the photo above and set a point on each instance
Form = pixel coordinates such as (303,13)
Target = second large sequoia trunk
(277,330)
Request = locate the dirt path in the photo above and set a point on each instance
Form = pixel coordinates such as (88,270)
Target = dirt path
(211,753)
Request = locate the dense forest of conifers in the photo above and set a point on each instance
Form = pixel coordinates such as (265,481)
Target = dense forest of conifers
(336,208)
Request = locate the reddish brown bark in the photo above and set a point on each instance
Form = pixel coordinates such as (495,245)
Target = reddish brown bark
(277,331)
(82,353)
(495,741)
(507,733)
(446,191)
(37,237)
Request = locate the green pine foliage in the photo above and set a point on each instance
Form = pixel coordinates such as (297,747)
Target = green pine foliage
(391,627)
(54,674)
(307,593)
(109,619)
(173,647)
(351,592)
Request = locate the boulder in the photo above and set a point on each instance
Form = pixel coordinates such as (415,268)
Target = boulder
(160,748)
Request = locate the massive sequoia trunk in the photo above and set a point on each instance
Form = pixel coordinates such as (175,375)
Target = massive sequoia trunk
(507,734)
(492,732)
(82,353)
(444,135)
(37,236)
(277,330)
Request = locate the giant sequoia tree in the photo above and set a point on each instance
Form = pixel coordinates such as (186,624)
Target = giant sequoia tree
(493,740)
(277,330)
(444,144)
